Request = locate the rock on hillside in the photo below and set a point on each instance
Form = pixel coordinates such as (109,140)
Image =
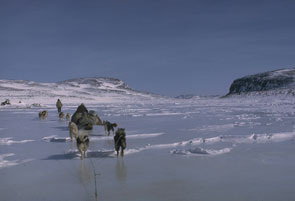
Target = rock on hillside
(97,82)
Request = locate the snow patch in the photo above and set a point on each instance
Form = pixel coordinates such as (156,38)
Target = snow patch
(246,139)
(200,152)
(133,136)
(6,163)
(9,141)
(213,128)
(54,138)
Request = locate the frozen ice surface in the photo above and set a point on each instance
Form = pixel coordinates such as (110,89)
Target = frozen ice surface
(232,149)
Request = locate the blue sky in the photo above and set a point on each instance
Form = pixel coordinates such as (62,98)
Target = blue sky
(164,46)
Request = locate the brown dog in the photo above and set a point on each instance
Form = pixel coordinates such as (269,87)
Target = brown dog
(73,130)
(43,114)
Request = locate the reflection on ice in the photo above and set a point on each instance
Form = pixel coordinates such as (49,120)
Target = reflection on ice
(65,156)
(76,155)
(85,174)
(121,170)
(100,154)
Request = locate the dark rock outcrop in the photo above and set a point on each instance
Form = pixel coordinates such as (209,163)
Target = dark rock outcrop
(6,102)
(85,119)
(273,80)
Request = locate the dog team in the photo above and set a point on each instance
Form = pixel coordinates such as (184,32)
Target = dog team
(82,138)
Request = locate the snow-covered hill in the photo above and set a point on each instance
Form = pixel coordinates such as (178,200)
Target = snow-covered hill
(278,82)
(75,91)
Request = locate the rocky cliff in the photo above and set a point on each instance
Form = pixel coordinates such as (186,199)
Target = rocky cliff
(275,81)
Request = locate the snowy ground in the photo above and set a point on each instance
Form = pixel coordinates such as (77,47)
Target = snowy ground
(202,149)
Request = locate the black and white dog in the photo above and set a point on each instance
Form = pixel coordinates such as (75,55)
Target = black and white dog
(108,126)
(82,143)
(82,138)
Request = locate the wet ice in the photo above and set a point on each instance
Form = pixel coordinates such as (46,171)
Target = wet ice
(185,147)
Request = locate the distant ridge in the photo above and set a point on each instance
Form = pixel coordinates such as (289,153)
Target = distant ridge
(96,81)
(87,90)
(185,96)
